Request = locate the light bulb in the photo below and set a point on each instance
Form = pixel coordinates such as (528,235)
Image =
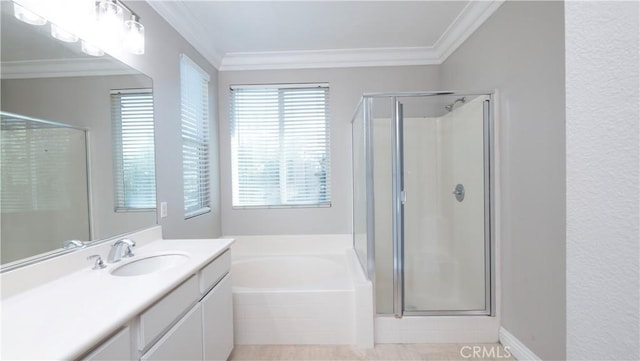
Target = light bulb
(62,35)
(134,36)
(69,18)
(91,49)
(27,16)
(110,22)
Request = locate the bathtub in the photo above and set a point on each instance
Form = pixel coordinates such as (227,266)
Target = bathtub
(294,272)
(301,299)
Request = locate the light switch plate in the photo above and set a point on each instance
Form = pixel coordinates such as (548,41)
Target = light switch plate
(163,209)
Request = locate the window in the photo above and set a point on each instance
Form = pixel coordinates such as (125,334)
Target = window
(194,88)
(133,150)
(280,145)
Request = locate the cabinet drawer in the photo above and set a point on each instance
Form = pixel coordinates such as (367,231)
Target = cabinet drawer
(162,314)
(182,342)
(214,271)
(118,347)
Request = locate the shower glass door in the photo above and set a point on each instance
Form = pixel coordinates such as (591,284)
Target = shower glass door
(442,230)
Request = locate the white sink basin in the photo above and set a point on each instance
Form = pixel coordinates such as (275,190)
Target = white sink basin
(150,264)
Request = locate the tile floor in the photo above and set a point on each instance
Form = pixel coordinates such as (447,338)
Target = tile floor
(464,352)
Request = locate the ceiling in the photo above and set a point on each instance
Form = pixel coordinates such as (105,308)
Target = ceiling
(242,35)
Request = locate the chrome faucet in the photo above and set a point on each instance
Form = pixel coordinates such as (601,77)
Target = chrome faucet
(99,264)
(73,243)
(115,254)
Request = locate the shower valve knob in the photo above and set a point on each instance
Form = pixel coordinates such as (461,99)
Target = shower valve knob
(459,192)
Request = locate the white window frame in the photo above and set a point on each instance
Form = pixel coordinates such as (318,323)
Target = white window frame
(284,155)
(195,119)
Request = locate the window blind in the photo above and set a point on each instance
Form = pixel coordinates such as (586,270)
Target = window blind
(280,145)
(133,150)
(194,88)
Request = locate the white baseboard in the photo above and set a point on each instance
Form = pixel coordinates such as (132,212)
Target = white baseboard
(516,347)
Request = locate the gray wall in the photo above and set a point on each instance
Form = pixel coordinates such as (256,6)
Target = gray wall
(520,52)
(603,161)
(346,88)
(161,62)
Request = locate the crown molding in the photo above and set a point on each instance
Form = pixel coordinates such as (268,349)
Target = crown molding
(55,68)
(468,21)
(181,19)
(474,14)
(337,58)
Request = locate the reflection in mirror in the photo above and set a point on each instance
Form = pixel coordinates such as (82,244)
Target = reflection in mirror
(43,78)
(44,186)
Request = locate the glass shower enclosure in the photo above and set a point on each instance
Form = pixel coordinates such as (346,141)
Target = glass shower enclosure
(422,212)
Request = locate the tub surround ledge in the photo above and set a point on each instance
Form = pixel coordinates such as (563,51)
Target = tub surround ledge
(66,317)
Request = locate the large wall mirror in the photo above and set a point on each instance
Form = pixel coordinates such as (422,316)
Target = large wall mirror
(77,145)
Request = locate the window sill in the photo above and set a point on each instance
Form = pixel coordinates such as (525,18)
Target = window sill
(134,210)
(196,213)
(326,205)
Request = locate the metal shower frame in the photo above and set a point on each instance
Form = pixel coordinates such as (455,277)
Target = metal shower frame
(398,196)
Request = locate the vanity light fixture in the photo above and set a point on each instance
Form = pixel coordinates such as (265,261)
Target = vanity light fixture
(29,17)
(100,24)
(110,23)
(134,35)
(68,19)
(91,49)
(63,35)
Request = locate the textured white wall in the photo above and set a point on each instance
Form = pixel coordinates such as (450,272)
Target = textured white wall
(519,50)
(602,55)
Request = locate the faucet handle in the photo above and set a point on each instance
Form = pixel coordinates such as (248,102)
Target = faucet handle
(99,264)
(129,250)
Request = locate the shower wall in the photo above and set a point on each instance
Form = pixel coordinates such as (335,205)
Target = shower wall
(461,162)
(429,263)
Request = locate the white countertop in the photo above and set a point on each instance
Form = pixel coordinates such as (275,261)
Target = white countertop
(64,318)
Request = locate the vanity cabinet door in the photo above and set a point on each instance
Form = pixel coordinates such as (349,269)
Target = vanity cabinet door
(117,347)
(155,320)
(217,318)
(182,342)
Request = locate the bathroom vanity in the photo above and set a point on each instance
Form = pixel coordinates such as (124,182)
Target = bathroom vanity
(171,300)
